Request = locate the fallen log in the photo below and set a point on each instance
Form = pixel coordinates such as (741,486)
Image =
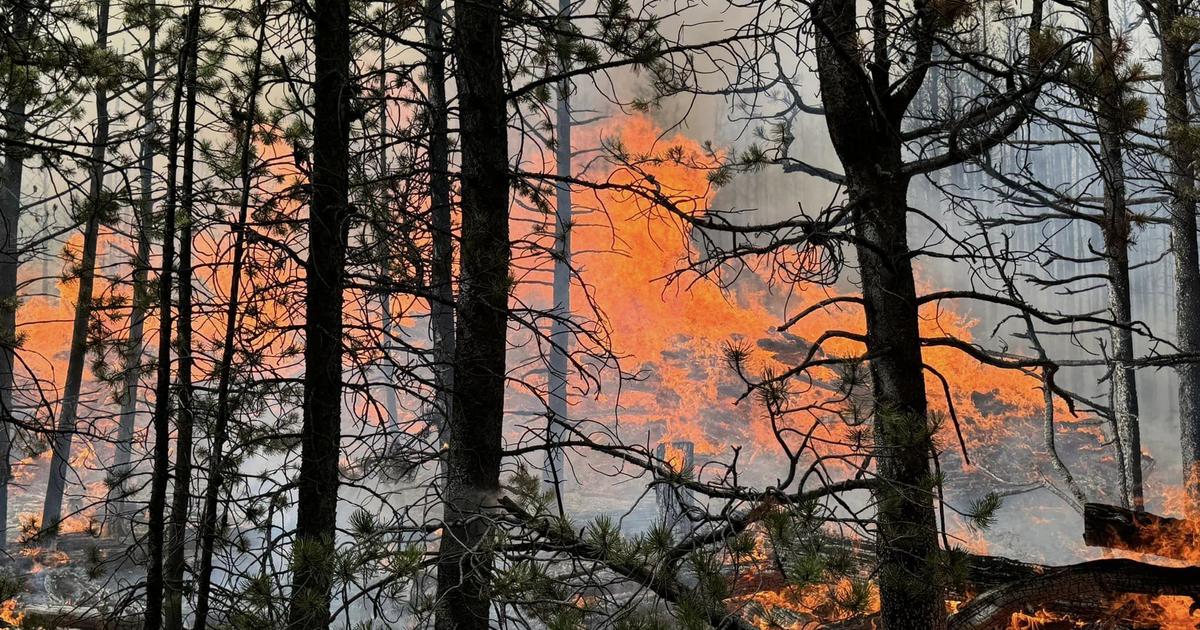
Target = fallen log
(1116,527)
(1098,580)
(983,573)
(79,618)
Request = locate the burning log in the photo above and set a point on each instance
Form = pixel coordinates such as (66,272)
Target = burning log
(72,617)
(1098,580)
(1116,527)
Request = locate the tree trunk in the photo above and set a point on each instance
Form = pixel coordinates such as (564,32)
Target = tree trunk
(1116,230)
(865,136)
(93,211)
(316,517)
(216,460)
(173,564)
(477,413)
(138,309)
(1175,66)
(560,337)
(162,403)
(441,272)
(909,587)
(389,369)
(10,260)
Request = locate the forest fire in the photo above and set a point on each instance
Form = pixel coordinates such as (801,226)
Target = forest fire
(678,331)
(605,315)
(998,412)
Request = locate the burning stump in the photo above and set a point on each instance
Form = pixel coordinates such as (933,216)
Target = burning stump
(1116,527)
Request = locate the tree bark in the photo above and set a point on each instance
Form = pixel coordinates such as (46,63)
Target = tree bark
(329,215)
(1175,65)
(11,179)
(865,136)
(1116,230)
(477,412)
(156,533)
(1089,581)
(906,545)
(560,337)
(93,213)
(441,226)
(173,566)
(441,209)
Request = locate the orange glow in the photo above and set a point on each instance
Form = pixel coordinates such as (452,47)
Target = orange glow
(11,613)
(1042,620)
(673,336)
(802,607)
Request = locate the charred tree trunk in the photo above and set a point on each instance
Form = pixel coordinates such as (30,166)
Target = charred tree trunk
(123,452)
(173,566)
(477,412)
(906,544)
(329,214)
(440,207)
(156,534)
(11,179)
(441,271)
(865,136)
(93,211)
(216,459)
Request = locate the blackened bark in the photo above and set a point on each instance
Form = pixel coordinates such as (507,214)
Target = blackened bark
(1114,527)
(316,516)
(93,210)
(864,123)
(11,179)
(1097,580)
(216,460)
(906,545)
(477,412)
(156,533)
(173,566)
(440,207)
